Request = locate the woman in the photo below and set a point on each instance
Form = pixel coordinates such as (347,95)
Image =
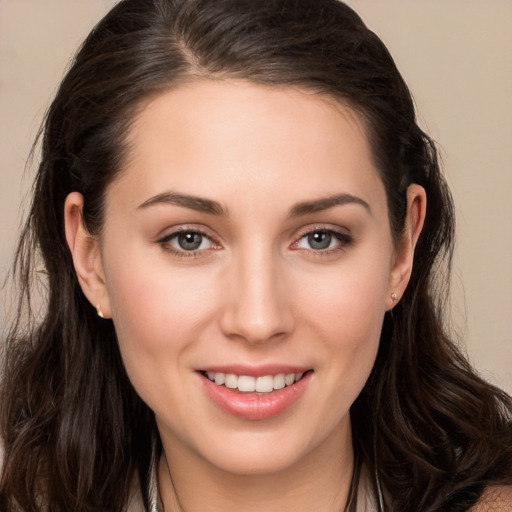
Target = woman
(242,226)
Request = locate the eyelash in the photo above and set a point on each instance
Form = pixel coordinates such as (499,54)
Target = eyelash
(165,243)
(343,240)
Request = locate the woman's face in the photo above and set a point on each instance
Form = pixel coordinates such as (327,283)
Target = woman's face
(247,236)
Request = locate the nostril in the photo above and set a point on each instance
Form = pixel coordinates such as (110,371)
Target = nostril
(256,307)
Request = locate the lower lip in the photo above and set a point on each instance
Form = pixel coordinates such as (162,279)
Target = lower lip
(255,406)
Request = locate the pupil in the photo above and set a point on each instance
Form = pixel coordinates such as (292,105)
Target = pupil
(319,240)
(190,241)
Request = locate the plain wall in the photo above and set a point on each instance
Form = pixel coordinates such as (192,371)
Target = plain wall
(456,57)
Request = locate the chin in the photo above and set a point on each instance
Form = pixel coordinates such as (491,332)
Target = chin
(257,463)
(266,453)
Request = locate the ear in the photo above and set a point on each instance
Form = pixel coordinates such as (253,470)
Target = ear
(85,251)
(404,253)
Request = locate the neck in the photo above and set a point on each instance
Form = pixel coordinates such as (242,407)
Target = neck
(320,481)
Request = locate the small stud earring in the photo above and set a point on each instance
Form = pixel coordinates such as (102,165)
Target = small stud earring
(394,298)
(99,312)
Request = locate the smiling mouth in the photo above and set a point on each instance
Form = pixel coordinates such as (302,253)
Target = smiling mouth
(249,384)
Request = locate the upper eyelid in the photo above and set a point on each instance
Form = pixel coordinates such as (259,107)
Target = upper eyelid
(174,231)
(171,232)
(326,228)
(344,238)
(165,242)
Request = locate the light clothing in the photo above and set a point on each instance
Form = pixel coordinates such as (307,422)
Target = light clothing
(366,500)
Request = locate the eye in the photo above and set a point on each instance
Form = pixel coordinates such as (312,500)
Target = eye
(322,240)
(187,241)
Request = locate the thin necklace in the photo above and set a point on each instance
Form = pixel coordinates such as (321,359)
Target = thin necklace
(379,490)
(153,496)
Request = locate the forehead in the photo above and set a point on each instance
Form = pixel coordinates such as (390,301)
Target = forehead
(231,138)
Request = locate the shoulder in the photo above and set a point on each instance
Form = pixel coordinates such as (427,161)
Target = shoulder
(497,498)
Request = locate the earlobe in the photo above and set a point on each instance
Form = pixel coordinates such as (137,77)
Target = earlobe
(404,255)
(86,255)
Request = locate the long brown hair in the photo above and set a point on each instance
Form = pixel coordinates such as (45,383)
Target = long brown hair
(77,437)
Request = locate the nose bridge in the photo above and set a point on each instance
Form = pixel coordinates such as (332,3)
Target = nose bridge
(258,308)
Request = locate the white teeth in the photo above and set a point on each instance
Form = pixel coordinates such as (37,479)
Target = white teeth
(279,382)
(231,381)
(289,379)
(264,384)
(248,384)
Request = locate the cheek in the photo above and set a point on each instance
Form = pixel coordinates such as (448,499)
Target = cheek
(154,302)
(345,310)
(159,318)
(350,299)
(158,315)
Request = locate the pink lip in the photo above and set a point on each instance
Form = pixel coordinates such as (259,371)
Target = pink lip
(255,406)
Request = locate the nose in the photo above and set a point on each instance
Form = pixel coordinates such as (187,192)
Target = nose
(257,305)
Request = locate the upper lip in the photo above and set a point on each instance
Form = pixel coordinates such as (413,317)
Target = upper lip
(255,371)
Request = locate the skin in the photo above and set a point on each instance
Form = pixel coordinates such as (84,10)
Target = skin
(255,292)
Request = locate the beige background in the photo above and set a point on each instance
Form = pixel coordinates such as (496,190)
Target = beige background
(456,57)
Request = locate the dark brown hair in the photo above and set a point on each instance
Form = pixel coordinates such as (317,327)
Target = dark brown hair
(76,435)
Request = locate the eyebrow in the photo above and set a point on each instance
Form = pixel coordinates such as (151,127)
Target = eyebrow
(199,204)
(318,205)
(211,207)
